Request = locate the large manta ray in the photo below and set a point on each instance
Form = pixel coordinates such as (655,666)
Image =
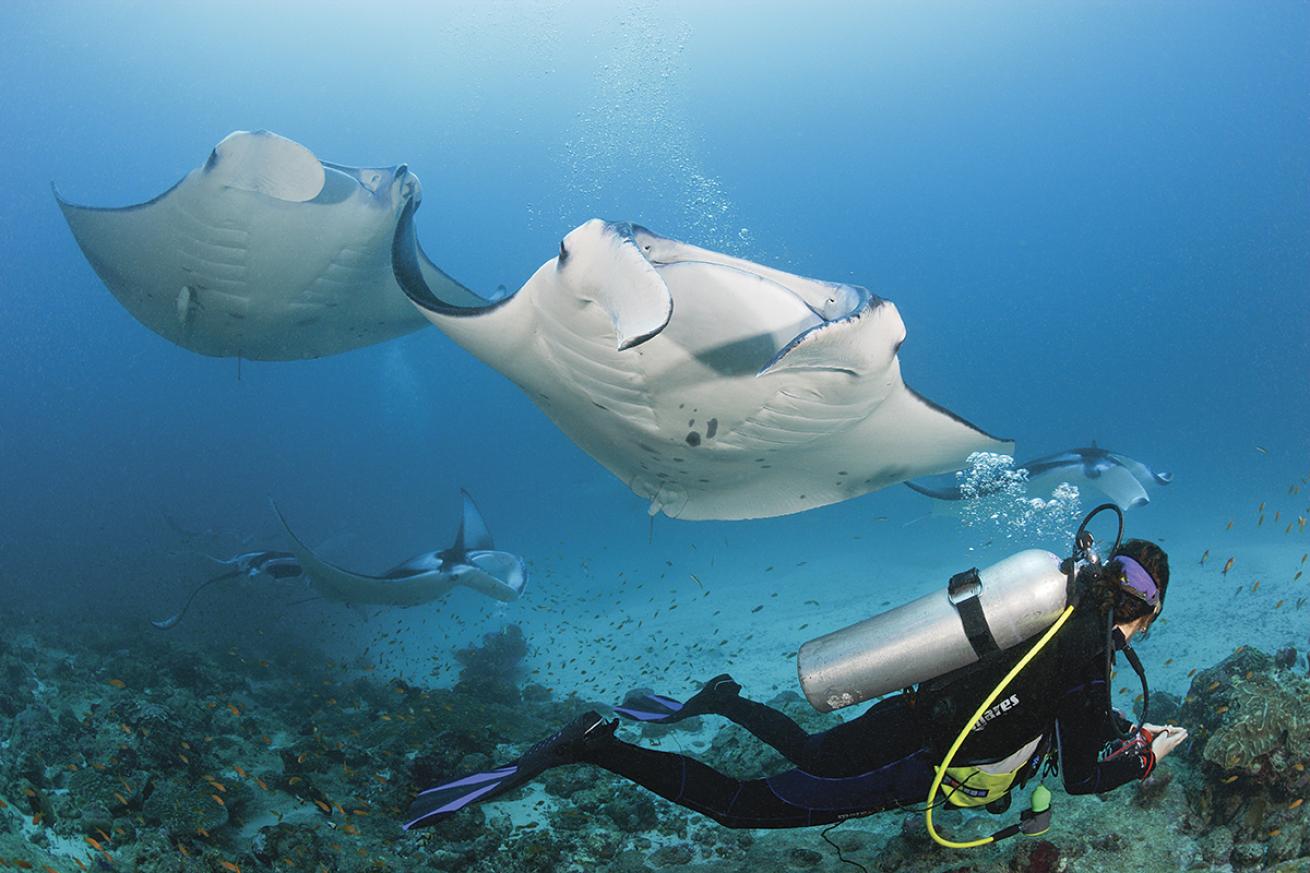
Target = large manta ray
(714,387)
(264,252)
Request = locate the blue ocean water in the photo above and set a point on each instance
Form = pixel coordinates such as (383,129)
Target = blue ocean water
(1094,220)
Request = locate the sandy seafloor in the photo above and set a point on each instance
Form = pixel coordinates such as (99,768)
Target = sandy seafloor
(695,608)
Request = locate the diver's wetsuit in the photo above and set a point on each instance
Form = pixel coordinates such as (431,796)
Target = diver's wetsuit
(885,757)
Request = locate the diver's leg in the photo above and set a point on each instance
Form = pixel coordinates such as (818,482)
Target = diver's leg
(773,726)
(883,734)
(791,799)
(720,696)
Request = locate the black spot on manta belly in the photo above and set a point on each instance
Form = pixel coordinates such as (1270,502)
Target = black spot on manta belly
(693,438)
(711,428)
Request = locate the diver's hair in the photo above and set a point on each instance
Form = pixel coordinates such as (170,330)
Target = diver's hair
(1153,558)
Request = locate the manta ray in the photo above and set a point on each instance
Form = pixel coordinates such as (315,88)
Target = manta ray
(472,561)
(712,386)
(264,252)
(1117,476)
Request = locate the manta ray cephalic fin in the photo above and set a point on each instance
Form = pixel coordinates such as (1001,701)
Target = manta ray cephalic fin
(266,163)
(618,278)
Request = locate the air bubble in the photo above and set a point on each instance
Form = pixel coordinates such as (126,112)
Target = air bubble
(995,494)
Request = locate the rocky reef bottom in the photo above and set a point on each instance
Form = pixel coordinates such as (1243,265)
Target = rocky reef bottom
(125,752)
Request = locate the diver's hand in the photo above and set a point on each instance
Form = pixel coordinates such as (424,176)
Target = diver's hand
(1165,738)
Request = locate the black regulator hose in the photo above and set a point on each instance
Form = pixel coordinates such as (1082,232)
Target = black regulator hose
(1082,540)
(1136,664)
(1133,661)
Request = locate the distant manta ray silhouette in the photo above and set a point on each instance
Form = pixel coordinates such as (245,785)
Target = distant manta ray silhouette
(1117,476)
(471,561)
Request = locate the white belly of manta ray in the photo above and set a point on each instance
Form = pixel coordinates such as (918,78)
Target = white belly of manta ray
(714,387)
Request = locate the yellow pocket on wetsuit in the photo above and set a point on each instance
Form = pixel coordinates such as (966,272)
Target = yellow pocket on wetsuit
(969,786)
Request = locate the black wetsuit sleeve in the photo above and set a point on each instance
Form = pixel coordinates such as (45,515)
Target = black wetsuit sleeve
(1084,733)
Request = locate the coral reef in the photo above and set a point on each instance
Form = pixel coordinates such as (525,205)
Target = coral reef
(1250,722)
(125,752)
(491,670)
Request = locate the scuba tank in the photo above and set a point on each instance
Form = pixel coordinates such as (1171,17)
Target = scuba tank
(979,611)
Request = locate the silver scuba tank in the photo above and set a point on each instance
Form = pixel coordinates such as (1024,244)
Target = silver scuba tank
(977,612)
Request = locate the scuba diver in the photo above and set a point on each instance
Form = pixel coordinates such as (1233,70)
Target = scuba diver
(1034,706)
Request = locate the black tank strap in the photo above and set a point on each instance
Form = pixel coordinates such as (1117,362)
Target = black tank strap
(963,590)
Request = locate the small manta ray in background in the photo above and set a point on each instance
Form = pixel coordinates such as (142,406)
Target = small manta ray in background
(1117,476)
(471,561)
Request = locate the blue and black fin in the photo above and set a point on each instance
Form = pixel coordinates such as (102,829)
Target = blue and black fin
(651,708)
(563,747)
